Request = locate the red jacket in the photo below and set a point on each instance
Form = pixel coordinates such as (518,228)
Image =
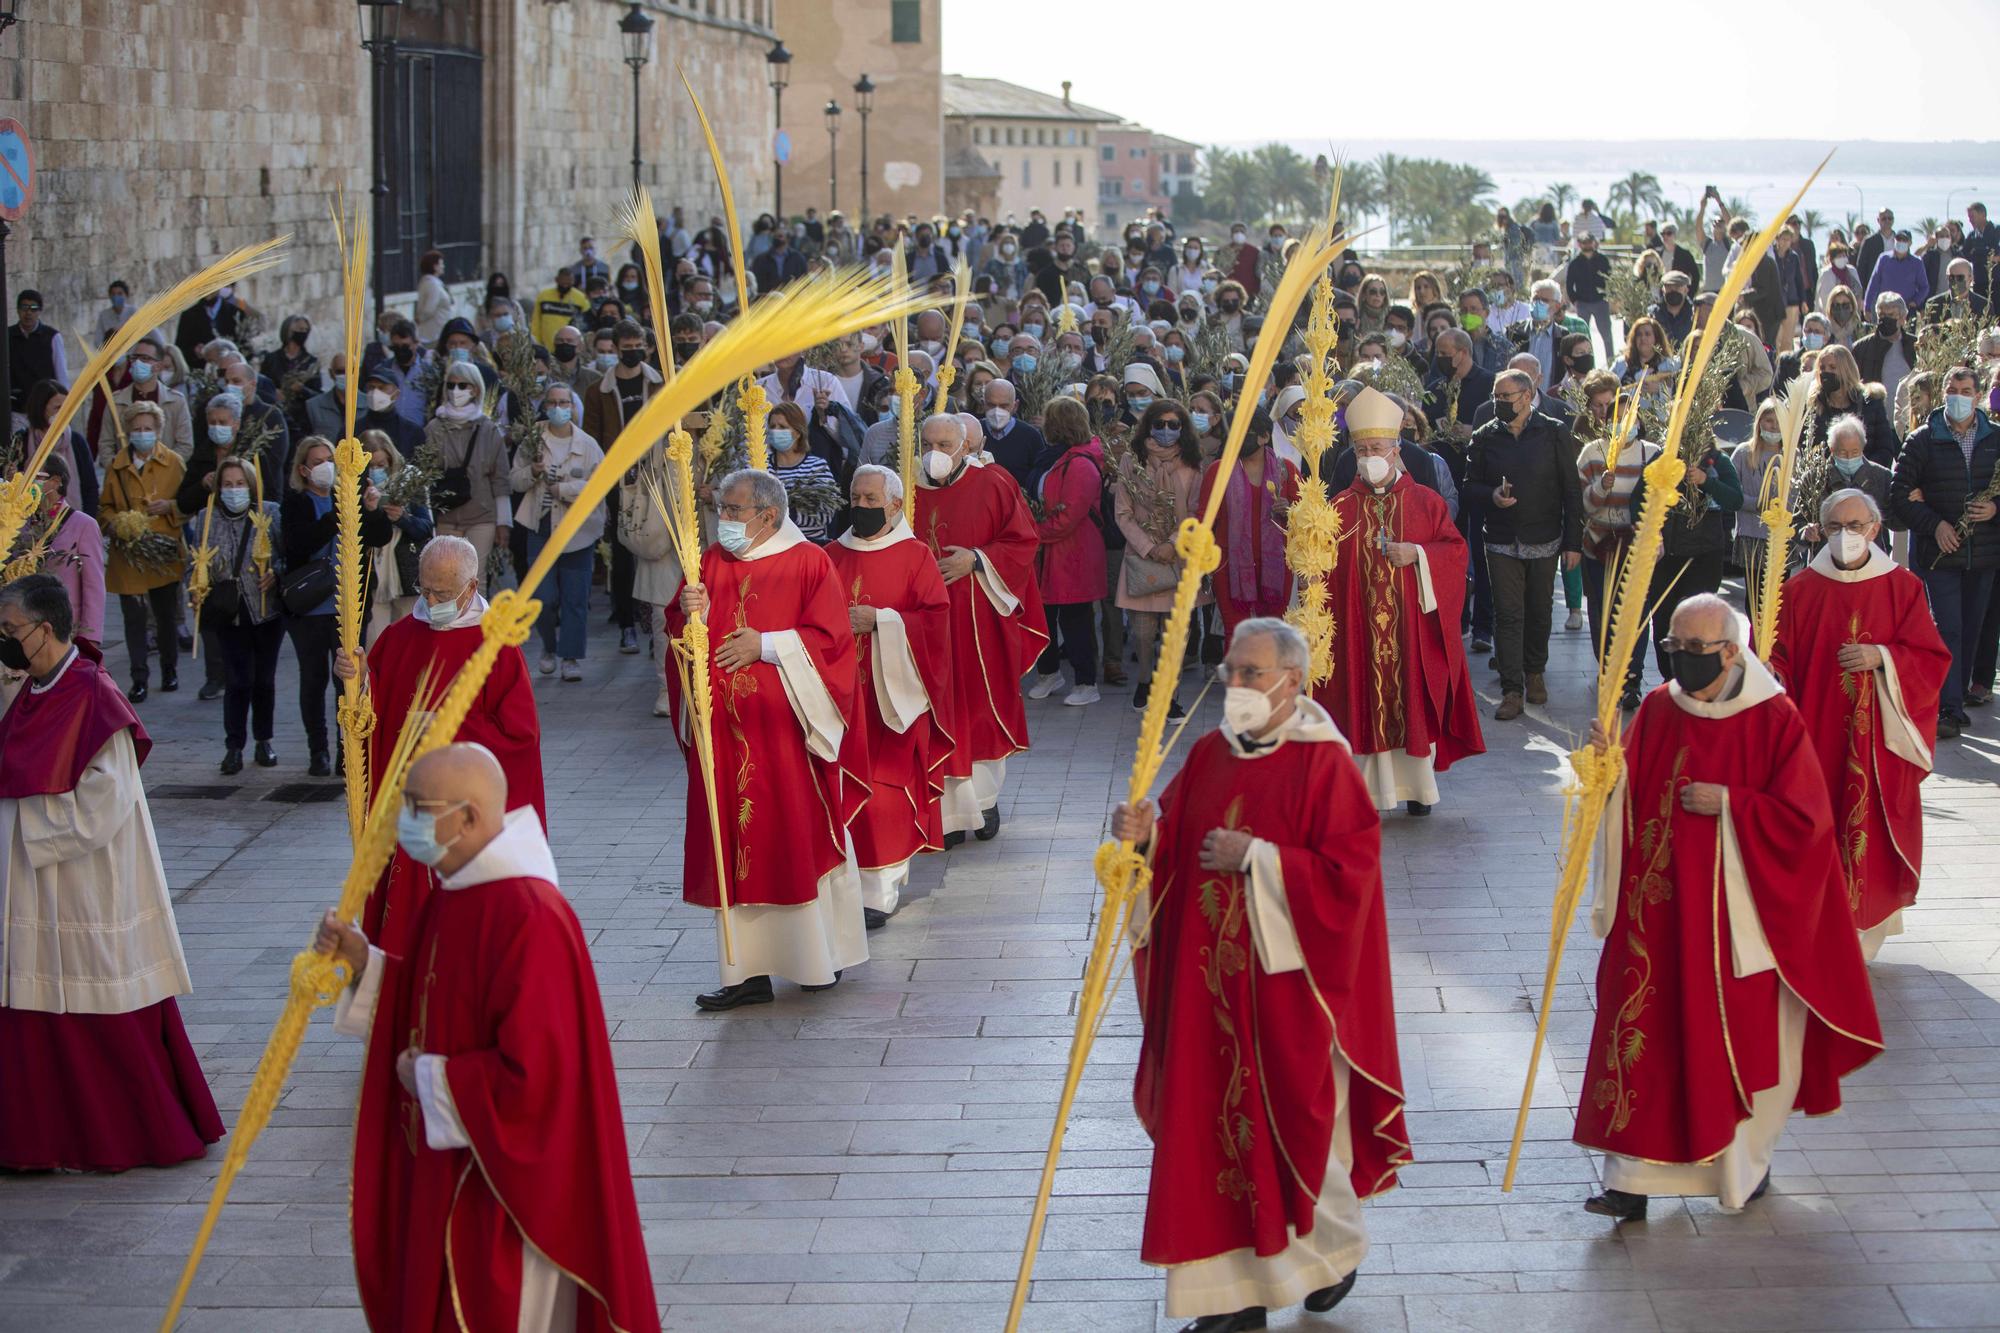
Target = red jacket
(1072,566)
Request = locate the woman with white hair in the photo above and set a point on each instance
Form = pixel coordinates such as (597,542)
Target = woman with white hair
(471,499)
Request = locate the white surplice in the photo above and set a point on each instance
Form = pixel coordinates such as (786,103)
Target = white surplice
(86,924)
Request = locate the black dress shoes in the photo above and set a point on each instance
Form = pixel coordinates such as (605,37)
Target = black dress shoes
(232,763)
(1617,1205)
(874,918)
(828,986)
(1417,809)
(1327,1297)
(266,756)
(137,694)
(169,682)
(991,828)
(1240,1322)
(210,691)
(757,990)
(952,840)
(321,765)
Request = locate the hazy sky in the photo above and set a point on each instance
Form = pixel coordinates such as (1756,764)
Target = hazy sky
(1259,69)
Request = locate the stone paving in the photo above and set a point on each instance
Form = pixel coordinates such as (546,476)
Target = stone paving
(864,1159)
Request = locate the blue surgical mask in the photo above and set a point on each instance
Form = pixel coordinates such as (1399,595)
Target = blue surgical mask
(117,301)
(1025,363)
(1958,407)
(733,536)
(1814,341)
(1541,309)
(461,354)
(441,615)
(1200,422)
(607,360)
(1849,466)
(340,384)
(999,346)
(142,371)
(235,499)
(221,434)
(1032,330)
(416,833)
(1176,354)
(781,438)
(378,477)
(559,415)
(503,323)
(143,441)
(1140,403)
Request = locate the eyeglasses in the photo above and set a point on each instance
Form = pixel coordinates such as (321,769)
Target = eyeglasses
(421,805)
(1696,646)
(1859,527)
(1229,675)
(740,511)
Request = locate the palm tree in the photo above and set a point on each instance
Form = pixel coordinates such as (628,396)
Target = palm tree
(1389,170)
(1561,194)
(1235,189)
(1814,221)
(1288,181)
(1638,190)
(1852,222)
(1360,193)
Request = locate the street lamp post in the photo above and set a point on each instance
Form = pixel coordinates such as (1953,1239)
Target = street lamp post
(864,102)
(779,61)
(832,155)
(378,39)
(635,30)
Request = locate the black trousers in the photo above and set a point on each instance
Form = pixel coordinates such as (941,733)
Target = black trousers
(1986,655)
(159,604)
(250,658)
(624,611)
(1072,637)
(1523,615)
(1597,602)
(314,639)
(1695,574)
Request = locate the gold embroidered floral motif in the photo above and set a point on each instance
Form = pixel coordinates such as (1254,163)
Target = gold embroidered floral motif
(1383,582)
(1856,786)
(1625,1039)
(413,1113)
(1221,903)
(738,686)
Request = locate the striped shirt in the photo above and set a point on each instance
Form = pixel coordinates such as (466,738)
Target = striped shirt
(1607,513)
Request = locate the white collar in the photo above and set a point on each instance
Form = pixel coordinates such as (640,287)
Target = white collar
(467,618)
(1750,683)
(56,675)
(899,533)
(1875,566)
(784,539)
(521,851)
(1309,724)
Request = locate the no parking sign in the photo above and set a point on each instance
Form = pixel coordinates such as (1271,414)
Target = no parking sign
(17,170)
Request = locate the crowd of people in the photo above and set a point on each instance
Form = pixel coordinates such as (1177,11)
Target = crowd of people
(876,647)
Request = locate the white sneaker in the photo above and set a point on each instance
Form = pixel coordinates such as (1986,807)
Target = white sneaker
(571,670)
(1044,686)
(548,664)
(664,705)
(1575,621)
(1082,694)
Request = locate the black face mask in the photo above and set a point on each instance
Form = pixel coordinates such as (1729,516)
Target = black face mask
(1580,365)
(565,352)
(1676,300)
(682,351)
(1887,327)
(1829,384)
(869,522)
(13,655)
(405,354)
(1697,671)
(631,357)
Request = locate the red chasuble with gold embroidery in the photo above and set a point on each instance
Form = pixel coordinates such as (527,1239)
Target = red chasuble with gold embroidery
(990,650)
(499,982)
(905,768)
(785,809)
(503,719)
(1681,1043)
(1236,1076)
(1399,678)
(1873,730)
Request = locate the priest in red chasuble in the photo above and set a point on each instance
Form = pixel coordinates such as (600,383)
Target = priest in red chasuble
(1399,691)
(96,1071)
(491,1184)
(976,523)
(438,636)
(1731,989)
(1860,656)
(1268,1076)
(897,608)
(790,769)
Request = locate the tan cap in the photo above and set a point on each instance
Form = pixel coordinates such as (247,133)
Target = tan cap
(1373,415)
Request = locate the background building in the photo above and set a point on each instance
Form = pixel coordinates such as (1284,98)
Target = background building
(168,132)
(1140,169)
(833,43)
(1045,148)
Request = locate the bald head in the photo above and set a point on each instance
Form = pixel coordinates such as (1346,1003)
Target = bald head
(463,788)
(1707,617)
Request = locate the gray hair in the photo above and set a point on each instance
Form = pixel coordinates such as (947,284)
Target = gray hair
(1841,497)
(1890,301)
(949,419)
(892,485)
(457,556)
(1511,376)
(766,491)
(1457,338)
(228,402)
(1526,363)
(1547,290)
(1845,424)
(1291,645)
(466,372)
(1709,602)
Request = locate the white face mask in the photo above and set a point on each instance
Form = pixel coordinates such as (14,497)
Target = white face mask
(459,395)
(378,400)
(1246,711)
(1397,338)
(939,464)
(1849,547)
(321,476)
(1375,470)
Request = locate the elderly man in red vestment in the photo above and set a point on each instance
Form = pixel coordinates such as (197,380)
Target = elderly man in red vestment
(439,636)
(491,1185)
(96,1073)
(790,769)
(1268,1076)
(1860,656)
(975,521)
(1399,690)
(898,606)
(1731,989)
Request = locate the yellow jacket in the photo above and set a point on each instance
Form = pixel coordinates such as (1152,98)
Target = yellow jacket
(127,487)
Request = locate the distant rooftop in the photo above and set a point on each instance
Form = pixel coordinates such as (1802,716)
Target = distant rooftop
(997,98)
